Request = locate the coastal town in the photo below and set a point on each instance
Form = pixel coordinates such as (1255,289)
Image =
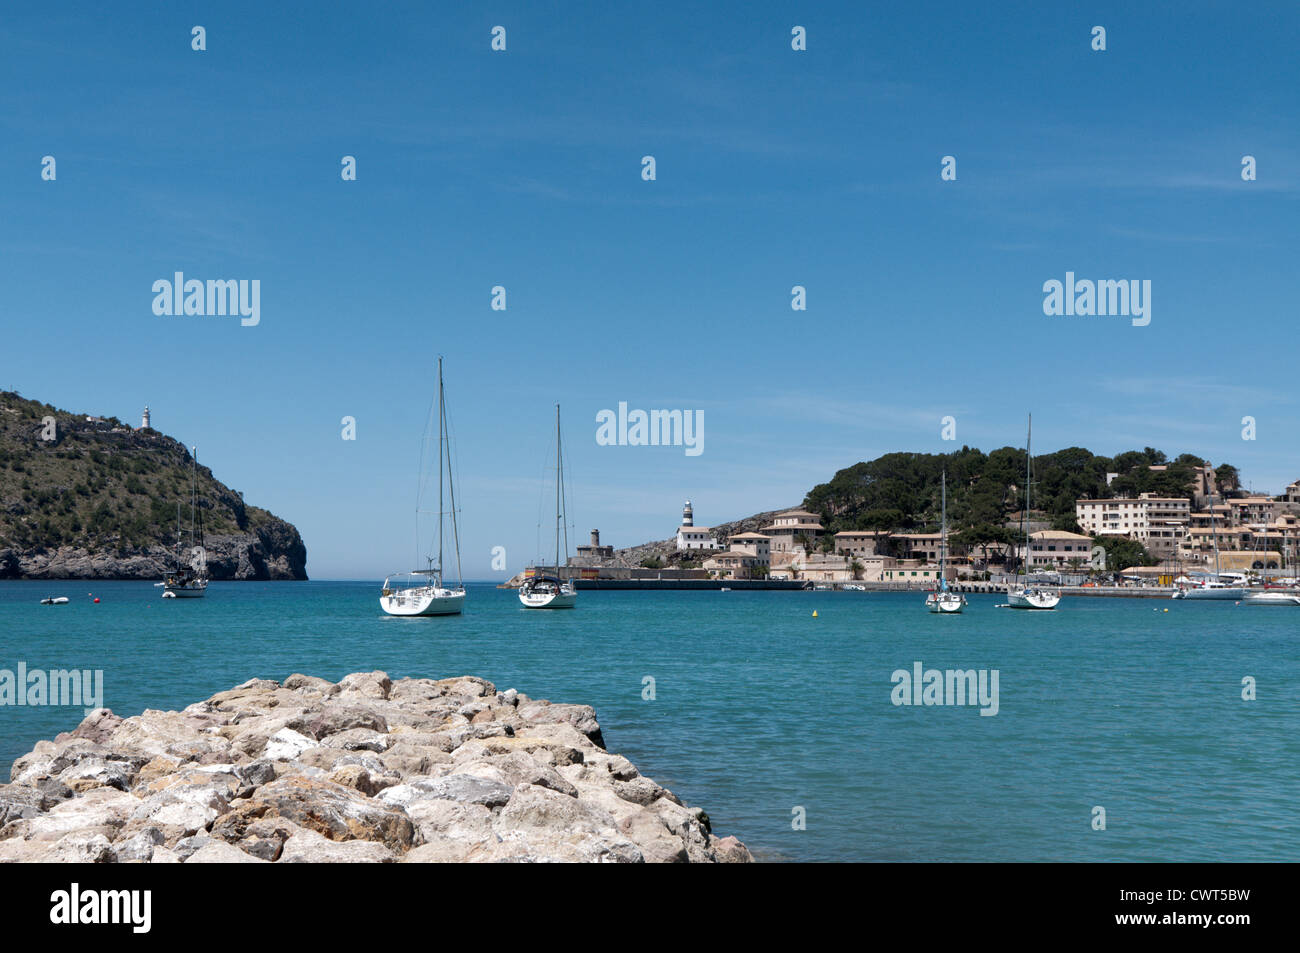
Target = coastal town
(1246,534)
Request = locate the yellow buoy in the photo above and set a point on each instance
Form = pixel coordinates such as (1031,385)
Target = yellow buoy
(1166,610)
(814,613)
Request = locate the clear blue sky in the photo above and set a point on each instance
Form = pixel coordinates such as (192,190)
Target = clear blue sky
(522,169)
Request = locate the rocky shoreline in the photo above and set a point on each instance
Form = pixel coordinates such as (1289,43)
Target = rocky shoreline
(273,552)
(366,770)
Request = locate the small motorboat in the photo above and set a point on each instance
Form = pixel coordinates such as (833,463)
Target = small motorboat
(54,600)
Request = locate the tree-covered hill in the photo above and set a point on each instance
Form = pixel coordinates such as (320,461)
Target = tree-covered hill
(901,491)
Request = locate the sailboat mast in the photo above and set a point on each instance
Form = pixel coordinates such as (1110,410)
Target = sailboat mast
(1214,535)
(193,471)
(943,532)
(557,491)
(1024,520)
(441,420)
(451,489)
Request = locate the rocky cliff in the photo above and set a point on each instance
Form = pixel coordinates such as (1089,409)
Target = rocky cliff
(366,770)
(88,497)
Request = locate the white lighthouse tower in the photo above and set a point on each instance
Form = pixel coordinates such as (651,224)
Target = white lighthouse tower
(688,515)
(144,420)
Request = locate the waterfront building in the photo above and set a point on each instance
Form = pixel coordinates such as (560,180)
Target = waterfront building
(923,546)
(792,530)
(754,544)
(1159,523)
(859,542)
(594,554)
(1203,535)
(690,536)
(1251,509)
(732,564)
(1056,549)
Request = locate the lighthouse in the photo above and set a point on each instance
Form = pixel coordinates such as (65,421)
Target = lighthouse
(688,515)
(144,420)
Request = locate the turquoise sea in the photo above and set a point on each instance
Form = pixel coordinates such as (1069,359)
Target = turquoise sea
(761,709)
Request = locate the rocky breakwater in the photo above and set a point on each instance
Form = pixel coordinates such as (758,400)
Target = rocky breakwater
(363,770)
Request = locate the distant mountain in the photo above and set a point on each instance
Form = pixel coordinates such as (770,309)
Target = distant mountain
(92,498)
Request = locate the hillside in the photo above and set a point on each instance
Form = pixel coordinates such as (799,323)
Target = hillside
(900,492)
(98,501)
(665,550)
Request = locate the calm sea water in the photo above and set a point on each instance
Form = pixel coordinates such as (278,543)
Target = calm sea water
(761,709)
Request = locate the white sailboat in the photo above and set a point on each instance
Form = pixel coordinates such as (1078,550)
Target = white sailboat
(1027,595)
(944,599)
(1213,587)
(188,580)
(549,592)
(421,592)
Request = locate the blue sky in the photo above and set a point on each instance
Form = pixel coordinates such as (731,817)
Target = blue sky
(523,169)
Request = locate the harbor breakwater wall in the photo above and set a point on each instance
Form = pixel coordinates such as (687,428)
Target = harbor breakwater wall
(358,771)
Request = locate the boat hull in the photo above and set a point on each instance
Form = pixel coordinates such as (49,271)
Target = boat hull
(426,601)
(185,592)
(1226,592)
(1272,599)
(945,602)
(1033,599)
(565,599)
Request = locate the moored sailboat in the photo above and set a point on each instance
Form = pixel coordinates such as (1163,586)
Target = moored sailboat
(421,592)
(550,592)
(1026,595)
(1213,587)
(944,599)
(188,579)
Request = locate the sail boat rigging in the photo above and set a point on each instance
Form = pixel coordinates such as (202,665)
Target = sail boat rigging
(188,578)
(1027,595)
(1214,588)
(421,592)
(944,599)
(543,591)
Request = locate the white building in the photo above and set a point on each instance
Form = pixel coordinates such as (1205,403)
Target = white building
(1057,549)
(754,544)
(690,536)
(1159,523)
